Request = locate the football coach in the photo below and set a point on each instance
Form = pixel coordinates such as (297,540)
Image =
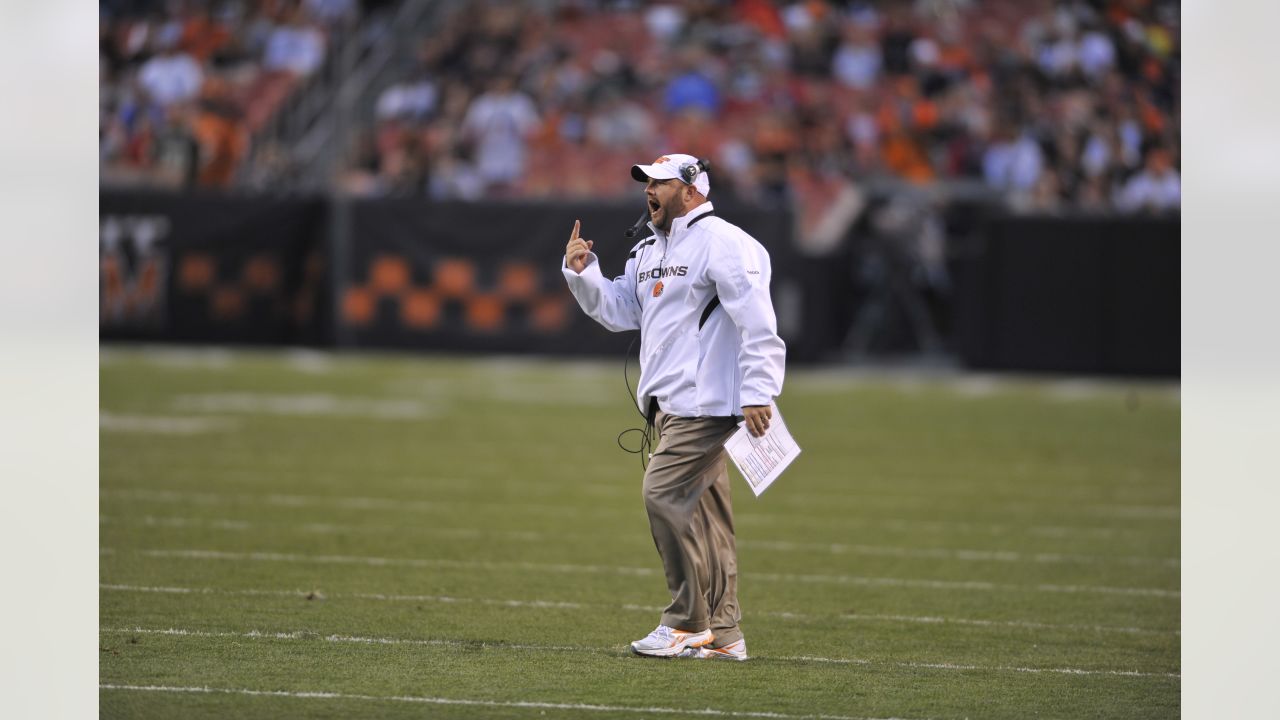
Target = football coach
(697,288)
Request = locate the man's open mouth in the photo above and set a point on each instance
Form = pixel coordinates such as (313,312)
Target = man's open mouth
(653,205)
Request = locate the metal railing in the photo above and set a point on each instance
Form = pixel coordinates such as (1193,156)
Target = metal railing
(301,148)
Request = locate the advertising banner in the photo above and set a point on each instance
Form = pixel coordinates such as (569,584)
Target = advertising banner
(486,277)
(211,268)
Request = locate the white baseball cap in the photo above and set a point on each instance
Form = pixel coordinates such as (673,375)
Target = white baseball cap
(669,167)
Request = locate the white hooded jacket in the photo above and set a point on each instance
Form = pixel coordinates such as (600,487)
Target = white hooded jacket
(709,340)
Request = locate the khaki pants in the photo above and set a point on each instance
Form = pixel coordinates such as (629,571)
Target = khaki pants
(686,492)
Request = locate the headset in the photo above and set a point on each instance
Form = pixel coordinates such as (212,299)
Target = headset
(689,173)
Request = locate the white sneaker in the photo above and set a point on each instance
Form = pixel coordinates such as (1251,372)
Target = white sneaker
(669,642)
(733,651)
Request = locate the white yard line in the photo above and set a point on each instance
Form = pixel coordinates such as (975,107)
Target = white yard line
(314,594)
(390,503)
(1164,512)
(172,521)
(988,668)
(290,500)
(959,554)
(793,500)
(162,424)
(1007,507)
(544,604)
(311,362)
(954,553)
(333,638)
(530,704)
(201,554)
(307,405)
(1027,624)
(207,358)
(1067,531)
(959,584)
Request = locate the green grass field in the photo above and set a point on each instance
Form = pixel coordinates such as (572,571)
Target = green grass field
(302,535)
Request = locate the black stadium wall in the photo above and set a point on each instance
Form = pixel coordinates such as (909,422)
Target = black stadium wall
(212,269)
(1087,295)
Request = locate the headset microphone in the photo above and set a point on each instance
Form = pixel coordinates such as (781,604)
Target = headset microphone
(635,229)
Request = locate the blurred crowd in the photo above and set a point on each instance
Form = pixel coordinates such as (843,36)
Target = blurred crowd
(1057,104)
(184,83)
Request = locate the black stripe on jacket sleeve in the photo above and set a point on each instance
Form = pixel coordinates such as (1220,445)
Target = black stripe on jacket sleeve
(706,313)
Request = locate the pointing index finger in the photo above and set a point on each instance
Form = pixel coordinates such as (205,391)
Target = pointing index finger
(577,225)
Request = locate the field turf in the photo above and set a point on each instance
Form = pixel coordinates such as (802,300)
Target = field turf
(292,534)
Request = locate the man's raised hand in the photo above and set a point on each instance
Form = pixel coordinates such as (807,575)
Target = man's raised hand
(575,253)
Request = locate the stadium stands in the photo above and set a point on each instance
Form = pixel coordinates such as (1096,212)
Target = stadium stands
(184,84)
(1057,105)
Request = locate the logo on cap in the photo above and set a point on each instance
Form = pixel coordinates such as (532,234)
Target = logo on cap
(657,289)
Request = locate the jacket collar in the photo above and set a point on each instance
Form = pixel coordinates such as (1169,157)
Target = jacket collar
(683,222)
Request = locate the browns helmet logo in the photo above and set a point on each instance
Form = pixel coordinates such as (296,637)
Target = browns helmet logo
(657,289)
(661,160)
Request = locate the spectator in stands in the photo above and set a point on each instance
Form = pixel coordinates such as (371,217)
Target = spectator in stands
(620,123)
(175,152)
(1157,188)
(812,37)
(1014,162)
(1096,155)
(414,100)
(1045,195)
(218,127)
(172,76)
(1091,195)
(454,177)
(499,124)
(858,59)
(1096,53)
(295,46)
(404,169)
(202,35)
(664,21)
(332,13)
(690,87)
